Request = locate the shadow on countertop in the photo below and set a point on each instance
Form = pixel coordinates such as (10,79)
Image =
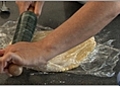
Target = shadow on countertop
(54,14)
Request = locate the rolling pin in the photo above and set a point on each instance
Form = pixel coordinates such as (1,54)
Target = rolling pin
(24,32)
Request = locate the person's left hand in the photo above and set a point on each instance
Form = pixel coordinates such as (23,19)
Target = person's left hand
(24,6)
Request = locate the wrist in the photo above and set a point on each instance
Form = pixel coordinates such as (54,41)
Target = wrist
(46,51)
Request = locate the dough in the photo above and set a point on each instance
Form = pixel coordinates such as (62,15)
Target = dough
(69,59)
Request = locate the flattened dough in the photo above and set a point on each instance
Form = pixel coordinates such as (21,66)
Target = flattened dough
(69,59)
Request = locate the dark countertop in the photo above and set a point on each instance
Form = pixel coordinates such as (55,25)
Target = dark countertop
(54,13)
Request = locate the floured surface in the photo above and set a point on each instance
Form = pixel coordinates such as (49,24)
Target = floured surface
(69,59)
(100,62)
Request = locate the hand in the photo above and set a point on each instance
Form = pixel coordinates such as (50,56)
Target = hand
(24,6)
(24,54)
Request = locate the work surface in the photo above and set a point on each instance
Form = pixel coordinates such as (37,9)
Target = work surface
(54,13)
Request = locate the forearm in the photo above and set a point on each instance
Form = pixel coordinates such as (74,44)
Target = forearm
(86,22)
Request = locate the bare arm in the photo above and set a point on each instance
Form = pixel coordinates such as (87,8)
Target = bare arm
(86,22)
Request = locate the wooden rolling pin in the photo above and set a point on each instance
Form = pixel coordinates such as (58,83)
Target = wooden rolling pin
(24,32)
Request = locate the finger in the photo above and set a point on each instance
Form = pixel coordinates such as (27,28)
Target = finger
(2,65)
(2,52)
(11,58)
(5,61)
(23,5)
(16,59)
(38,7)
(8,59)
(22,9)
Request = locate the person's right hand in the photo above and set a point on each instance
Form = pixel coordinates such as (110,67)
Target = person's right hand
(25,54)
(24,6)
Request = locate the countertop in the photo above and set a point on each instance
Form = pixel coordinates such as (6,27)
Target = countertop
(54,14)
